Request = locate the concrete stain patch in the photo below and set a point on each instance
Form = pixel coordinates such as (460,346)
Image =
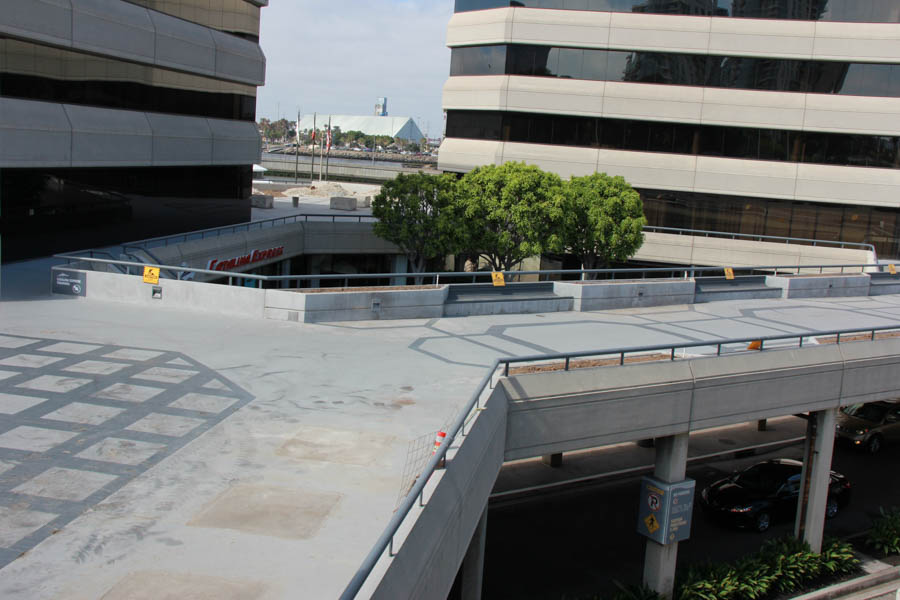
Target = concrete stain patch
(268,510)
(165,585)
(337,446)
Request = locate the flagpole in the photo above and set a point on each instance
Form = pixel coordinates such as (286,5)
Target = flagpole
(312,154)
(328,152)
(297,151)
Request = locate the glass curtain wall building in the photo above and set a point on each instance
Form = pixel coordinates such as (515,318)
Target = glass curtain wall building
(122,120)
(767,117)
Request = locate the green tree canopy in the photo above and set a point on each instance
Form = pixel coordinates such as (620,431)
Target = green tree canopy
(602,221)
(509,211)
(417,213)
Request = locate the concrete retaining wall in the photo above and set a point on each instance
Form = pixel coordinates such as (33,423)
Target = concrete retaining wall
(507,307)
(191,295)
(355,306)
(820,286)
(605,295)
(564,411)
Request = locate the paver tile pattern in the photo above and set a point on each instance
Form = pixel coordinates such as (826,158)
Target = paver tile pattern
(67,442)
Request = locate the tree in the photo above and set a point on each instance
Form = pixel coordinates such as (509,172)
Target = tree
(417,213)
(602,222)
(510,212)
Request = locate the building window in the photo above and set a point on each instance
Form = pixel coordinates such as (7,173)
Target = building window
(679,138)
(851,11)
(769,74)
(36,72)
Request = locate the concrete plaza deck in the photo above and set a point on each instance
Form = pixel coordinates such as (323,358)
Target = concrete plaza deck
(156,454)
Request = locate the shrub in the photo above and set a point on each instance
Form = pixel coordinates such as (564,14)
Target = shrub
(885,533)
(781,566)
(837,557)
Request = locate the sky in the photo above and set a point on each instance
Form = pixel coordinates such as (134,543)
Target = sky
(339,56)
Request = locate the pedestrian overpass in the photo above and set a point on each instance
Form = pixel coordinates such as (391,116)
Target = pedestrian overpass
(637,393)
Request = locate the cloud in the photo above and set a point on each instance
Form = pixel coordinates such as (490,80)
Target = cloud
(338,56)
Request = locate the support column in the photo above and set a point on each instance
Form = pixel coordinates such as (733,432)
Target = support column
(815,478)
(284,268)
(659,560)
(473,562)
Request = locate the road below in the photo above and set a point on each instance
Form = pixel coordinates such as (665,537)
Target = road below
(573,544)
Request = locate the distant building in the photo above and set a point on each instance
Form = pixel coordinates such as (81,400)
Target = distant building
(381,107)
(125,120)
(398,127)
(762,117)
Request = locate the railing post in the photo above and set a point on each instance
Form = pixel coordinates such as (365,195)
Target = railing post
(621,359)
(567,363)
(873,335)
(672,355)
(718,349)
(506,370)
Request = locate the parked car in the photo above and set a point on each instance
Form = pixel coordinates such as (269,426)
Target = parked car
(766,492)
(868,426)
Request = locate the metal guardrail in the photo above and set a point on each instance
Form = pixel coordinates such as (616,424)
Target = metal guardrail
(759,238)
(416,493)
(276,221)
(435,276)
(214,232)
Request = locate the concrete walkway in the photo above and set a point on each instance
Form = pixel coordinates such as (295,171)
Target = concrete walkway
(273,453)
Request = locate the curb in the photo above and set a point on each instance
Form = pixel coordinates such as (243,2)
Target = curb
(854,585)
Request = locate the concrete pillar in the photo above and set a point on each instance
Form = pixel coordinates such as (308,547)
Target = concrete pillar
(284,268)
(552,460)
(659,560)
(473,562)
(399,264)
(815,478)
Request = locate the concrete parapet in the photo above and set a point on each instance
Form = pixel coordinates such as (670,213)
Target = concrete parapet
(820,286)
(881,284)
(365,305)
(507,307)
(342,203)
(189,295)
(606,295)
(745,287)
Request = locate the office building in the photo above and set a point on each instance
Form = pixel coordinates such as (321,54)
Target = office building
(121,120)
(766,117)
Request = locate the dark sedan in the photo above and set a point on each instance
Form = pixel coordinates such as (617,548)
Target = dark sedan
(766,492)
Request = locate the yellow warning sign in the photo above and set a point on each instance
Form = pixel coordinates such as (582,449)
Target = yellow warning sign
(498,279)
(892,269)
(729,273)
(651,523)
(151,274)
(755,345)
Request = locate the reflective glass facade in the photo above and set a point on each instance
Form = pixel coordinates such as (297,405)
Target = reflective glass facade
(36,72)
(785,218)
(43,211)
(231,16)
(770,74)
(680,138)
(857,11)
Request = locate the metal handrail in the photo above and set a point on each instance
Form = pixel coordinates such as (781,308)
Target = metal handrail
(386,540)
(213,232)
(263,224)
(436,275)
(753,236)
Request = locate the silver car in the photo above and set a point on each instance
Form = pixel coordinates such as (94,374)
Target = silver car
(868,426)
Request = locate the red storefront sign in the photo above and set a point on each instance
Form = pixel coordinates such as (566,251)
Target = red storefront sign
(247,259)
